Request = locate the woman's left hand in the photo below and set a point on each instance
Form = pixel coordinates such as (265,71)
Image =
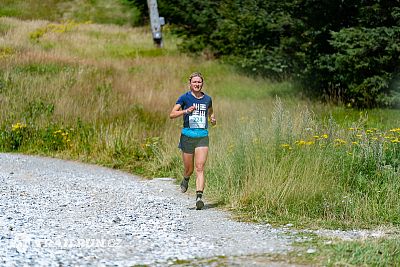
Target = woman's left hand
(213,120)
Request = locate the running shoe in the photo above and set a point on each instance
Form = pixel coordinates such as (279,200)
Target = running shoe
(199,203)
(184,185)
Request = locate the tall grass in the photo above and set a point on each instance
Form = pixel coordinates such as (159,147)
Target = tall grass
(118,12)
(378,252)
(102,94)
(289,165)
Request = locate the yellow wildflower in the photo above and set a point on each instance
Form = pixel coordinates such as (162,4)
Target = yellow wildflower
(17,126)
(231,148)
(300,142)
(339,141)
(244,118)
(286,146)
(256,140)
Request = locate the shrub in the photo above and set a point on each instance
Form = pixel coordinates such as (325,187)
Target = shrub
(55,138)
(363,67)
(12,138)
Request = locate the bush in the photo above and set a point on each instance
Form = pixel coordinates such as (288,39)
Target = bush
(363,67)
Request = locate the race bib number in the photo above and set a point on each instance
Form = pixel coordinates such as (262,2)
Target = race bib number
(196,121)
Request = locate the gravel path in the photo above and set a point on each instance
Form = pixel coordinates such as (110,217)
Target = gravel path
(62,213)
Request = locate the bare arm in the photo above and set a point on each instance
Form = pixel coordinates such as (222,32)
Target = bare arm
(211,115)
(176,112)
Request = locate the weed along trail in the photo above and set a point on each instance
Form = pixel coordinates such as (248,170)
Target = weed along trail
(55,212)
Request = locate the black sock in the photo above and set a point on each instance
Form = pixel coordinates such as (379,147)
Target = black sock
(186,178)
(199,194)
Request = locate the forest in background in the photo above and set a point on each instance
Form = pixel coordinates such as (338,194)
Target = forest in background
(345,52)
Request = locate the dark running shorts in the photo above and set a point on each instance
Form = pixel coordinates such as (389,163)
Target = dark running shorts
(188,144)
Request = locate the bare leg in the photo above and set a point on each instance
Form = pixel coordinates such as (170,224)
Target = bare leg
(200,160)
(187,164)
(188,170)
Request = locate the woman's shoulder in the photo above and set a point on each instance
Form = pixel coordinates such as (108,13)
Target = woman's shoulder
(187,94)
(206,96)
(184,95)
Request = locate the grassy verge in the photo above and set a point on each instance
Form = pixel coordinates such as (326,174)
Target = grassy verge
(314,252)
(383,252)
(367,252)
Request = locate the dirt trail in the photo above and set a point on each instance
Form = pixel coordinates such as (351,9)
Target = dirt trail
(55,212)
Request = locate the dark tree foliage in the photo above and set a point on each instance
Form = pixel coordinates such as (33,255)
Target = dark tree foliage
(352,53)
(141,5)
(257,35)
(195,19)
(343,50)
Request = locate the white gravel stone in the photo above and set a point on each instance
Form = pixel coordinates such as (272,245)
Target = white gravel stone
(311,250)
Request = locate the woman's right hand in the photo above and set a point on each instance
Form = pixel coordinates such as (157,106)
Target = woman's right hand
(190,109)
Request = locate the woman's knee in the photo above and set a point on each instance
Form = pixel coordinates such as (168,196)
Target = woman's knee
(199,167)
(188,172)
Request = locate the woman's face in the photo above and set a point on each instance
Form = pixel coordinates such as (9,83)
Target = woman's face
(196,83)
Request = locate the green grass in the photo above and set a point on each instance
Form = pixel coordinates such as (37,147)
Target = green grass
(35,69)
(241,87)
(100,11)
(133,52)
(380,252)
(4,28)
(383,251)
(348,117)
(279,170)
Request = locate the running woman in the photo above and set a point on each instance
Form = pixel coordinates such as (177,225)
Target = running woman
(196,108)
